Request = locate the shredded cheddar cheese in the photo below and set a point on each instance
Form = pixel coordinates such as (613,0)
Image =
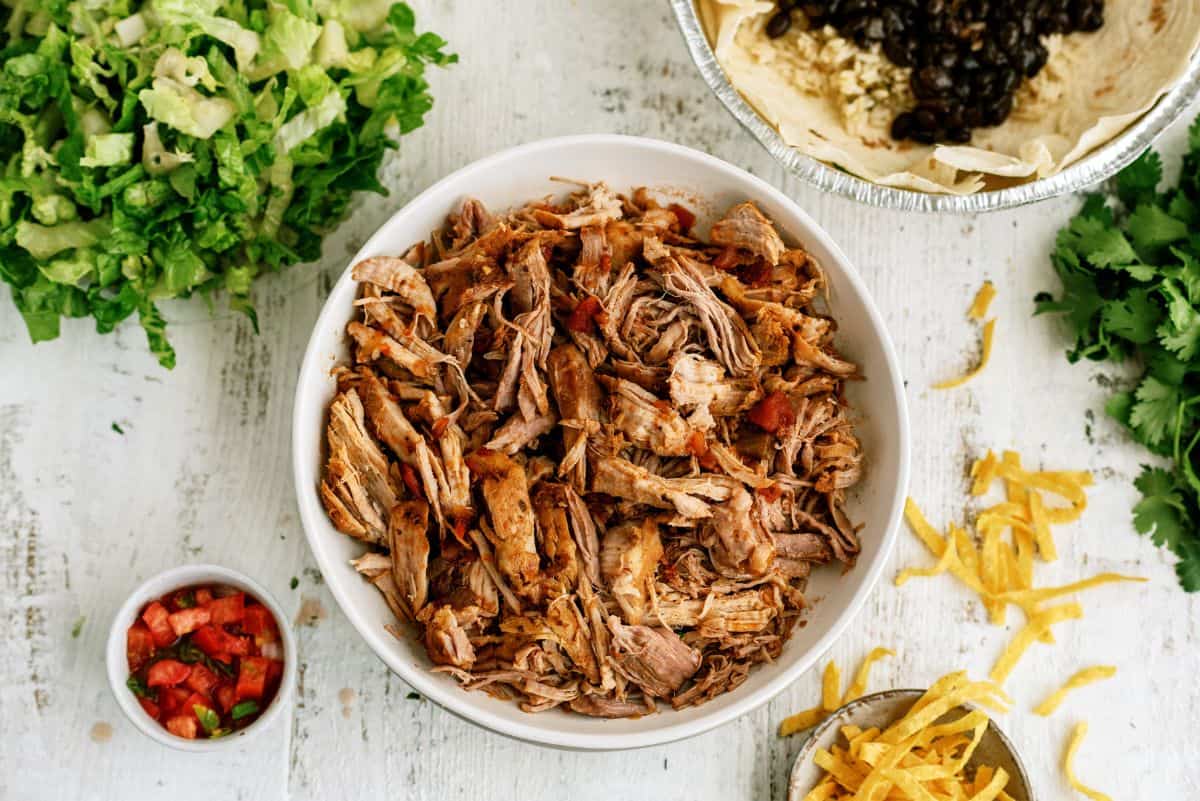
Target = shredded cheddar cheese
(983,299)
(831,697)
(922,756)
(1081,679)
(1069,765)
(989,330)
(1012,535)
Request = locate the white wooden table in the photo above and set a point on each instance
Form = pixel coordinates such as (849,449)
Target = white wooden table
(202,473)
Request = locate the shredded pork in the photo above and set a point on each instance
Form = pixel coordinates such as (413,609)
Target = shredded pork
(594,457)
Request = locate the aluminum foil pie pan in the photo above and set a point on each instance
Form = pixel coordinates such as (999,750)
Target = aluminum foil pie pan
(1098,165)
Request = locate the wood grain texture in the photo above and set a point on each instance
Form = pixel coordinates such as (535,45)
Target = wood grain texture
(202,473)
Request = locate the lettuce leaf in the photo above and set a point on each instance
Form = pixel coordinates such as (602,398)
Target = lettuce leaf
(159,149)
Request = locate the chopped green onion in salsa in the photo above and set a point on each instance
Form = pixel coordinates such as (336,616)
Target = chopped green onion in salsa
(204,661)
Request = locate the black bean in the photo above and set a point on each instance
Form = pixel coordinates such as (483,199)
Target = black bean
(779,24)
(968,57)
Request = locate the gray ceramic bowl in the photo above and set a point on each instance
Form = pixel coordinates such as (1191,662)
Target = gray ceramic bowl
(883,709)
(1098,165)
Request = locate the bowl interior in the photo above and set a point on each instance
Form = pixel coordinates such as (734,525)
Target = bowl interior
(708,186)
(883,709)
(160,585)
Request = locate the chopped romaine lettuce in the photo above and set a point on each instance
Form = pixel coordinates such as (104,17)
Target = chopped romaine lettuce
(152,149)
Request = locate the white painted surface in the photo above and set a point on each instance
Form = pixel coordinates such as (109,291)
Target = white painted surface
(202,474)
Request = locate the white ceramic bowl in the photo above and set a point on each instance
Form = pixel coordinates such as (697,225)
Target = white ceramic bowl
(160,585)
(708,186)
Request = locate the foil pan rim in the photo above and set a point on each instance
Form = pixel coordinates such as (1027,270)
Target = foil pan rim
(1098,165)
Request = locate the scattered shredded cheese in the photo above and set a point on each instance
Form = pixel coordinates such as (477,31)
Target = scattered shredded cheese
(1069,765)
(1081,679)
(989,330)
(831,683)
(831,699)
(1011,534)
(983,299)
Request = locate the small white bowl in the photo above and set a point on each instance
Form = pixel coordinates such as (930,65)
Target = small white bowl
(708,186)
(157,587)
(881,710)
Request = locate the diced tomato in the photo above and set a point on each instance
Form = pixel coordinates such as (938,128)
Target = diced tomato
(756,273)
(772,413)
(583,316)
(252,677)
(156,620)
(185,726)
(227,610)
(685,217)
(726,258)
(274,673)
(167,673)
(171,699)
(460,530)
(192,701)
(204,596)
(770,493)
(201,679)
(410,480)
(217,642)
(226,696)
(139,645)
(185,621)
(151,708)
(259,622)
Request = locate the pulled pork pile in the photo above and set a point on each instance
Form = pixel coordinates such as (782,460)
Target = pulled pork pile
(595,457)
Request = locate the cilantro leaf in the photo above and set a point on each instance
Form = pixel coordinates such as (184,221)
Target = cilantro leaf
(1137,182)
(1134,318)
(1161,513)
(1152,228)
(1130,274)
(1153,413)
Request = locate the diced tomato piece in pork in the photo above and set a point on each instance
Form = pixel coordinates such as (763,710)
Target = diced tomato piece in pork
(772,413)
(226,696)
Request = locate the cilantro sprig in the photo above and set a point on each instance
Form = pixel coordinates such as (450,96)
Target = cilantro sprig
(1130,271)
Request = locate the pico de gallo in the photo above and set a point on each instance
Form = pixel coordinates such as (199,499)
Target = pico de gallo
(204,661)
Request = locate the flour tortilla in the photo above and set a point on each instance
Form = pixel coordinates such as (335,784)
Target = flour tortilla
(1092,88)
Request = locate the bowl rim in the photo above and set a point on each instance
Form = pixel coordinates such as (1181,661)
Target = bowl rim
(835,718)
(155,587)
(453,698)
(1099,164)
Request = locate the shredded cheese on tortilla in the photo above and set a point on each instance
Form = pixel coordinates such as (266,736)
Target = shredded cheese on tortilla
(1069,765)
(989,330)
(1081,679)
(983,299)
